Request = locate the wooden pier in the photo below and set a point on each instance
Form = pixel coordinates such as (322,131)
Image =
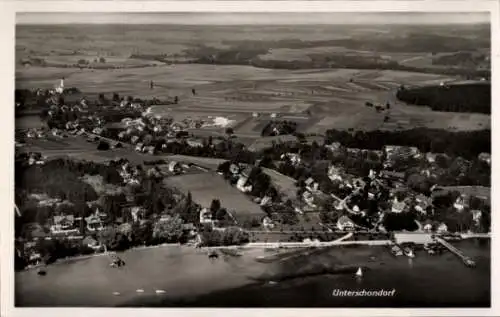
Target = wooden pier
(467,260)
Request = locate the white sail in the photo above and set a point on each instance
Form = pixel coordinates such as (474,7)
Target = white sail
(359,272)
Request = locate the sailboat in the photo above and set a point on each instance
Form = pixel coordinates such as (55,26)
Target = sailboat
(409,252)
(359,273)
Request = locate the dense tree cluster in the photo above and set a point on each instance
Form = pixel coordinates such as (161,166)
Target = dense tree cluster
(276,127)
(463,59)
(467,144)
(456,98)
(400,221)
(283,213)
(225,149)
(228,236)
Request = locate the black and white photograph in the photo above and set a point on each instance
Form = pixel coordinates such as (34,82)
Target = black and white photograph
(252,159)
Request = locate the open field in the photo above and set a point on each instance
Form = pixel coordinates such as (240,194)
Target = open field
(479,191)
(206,162)
(265,142)
(285,184)
(78,148)
(331,99)
(332,91)
(205,187)
(28,122)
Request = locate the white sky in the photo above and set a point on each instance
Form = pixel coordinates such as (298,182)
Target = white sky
(252,18)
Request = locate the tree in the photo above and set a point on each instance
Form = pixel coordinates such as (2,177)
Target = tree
(169,229)
(126,230)
(224,167)
(215,206)
(401,221)
(142,233)
(234,236)
(102,60)
(102,99)
(109,238)
(221,214)
(148,139)
(419,183)
(229,131)
(211,237)
(103,146)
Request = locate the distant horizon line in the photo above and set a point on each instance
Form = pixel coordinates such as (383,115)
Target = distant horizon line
(254,18)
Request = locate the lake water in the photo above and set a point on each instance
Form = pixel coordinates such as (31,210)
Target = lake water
(191,280)
(425,281)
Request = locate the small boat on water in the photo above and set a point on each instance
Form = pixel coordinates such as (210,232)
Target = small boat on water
(41,272)
(213,255)
(396,250)
(140,291)
(409,252)
(469,262)
(116,293)
(160,291)
(359,272)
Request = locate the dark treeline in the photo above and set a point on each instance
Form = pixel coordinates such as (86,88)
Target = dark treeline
(243,54)
(61,178)
(351,62)
(226,150)
(467,59)
(414,41)
(457,98)
(279,128)
(467,144)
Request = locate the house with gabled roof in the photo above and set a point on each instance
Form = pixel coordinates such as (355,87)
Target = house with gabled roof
(344,223)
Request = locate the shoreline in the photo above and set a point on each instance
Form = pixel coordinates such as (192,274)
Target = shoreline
(75,258)
(249,246)
(185,273)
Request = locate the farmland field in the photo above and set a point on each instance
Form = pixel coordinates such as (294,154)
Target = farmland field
(77,148)
(206,162)
(29,122)
(205,187)
(330,93)
(285,184)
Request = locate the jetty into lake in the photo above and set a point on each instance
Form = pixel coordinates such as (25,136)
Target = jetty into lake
(467,260)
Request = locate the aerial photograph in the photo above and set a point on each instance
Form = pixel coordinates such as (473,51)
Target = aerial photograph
(171,159)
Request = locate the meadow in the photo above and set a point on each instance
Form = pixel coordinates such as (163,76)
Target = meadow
(219,62)
(205,187)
